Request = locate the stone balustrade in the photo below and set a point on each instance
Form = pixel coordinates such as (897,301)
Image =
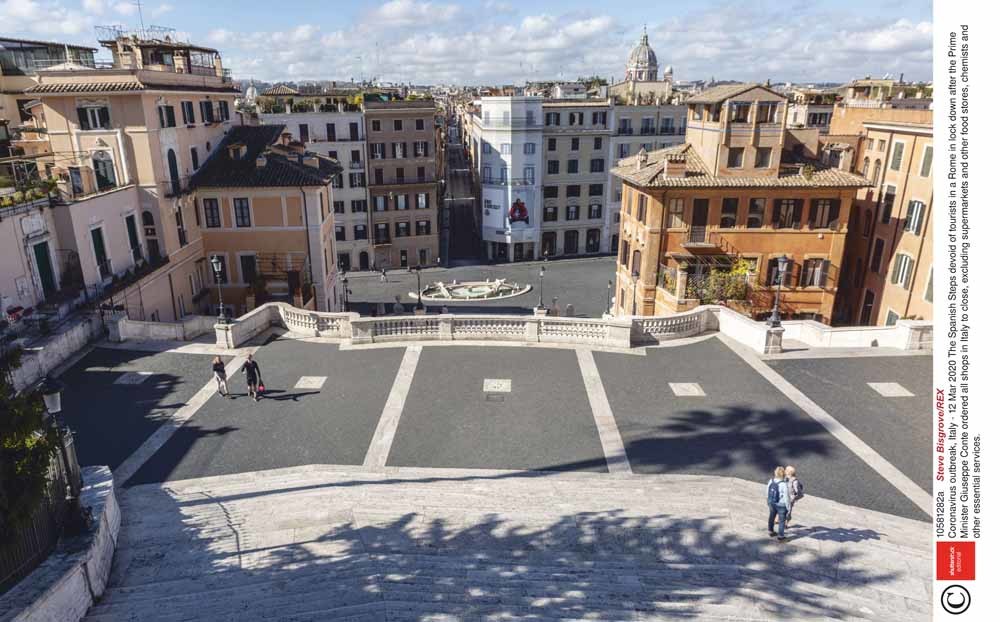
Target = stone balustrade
(624,332)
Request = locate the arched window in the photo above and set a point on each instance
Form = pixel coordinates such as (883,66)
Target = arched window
(636,260)
(864,168)
(147,219)
(877,170)
(104,170)
(868,223)
(175,178)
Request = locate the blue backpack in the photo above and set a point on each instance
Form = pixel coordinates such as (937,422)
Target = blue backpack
(773,492)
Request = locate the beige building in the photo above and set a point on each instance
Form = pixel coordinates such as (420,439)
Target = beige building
(403,182)
(889,265)
(123,142)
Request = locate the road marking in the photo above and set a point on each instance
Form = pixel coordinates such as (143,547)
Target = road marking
(607,429)
(687,389)
(310,382)
(176,419)
(890,389)
(385,432)
(886,469)
(133,377)
(496,385)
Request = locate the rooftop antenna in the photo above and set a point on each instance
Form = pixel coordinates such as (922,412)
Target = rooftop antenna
(142,26)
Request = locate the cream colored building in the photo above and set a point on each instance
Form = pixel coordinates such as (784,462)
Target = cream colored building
(32,264)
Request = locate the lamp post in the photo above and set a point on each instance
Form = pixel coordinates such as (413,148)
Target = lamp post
(775,320)
(608,309)
(635,287)
(541,287)
(420,300)
(51,391)
(344,303)
(217,269)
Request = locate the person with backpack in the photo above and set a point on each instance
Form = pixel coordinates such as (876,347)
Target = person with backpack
(778,503)
(255,380)
(795,492)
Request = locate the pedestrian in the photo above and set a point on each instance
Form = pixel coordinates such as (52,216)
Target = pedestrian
(795,492)
(382,276)
(777,503)
(254,378)
(219,371)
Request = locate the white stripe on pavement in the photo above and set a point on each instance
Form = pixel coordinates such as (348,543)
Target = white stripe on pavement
(886,469)
(607,429)
(385,432)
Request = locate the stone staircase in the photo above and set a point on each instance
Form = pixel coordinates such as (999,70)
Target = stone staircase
(345,543)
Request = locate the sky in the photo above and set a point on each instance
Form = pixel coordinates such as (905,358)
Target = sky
(512,41)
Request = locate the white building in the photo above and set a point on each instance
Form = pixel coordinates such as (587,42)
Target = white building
(340,135)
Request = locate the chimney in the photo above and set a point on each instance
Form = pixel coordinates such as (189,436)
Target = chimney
(261,161)
(311,160)
(675,165)
(237,151)
(640,159)
(286,137)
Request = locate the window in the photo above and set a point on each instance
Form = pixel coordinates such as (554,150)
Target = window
(755,215)
(550,214)
(529,175)
(891,317)
(358,206)
(94,117)
(598,143)
(888,198)
(357,180)
(729,208)
(574,144)
(902,270)
(881,145)
(248,268)
(194,158)
(675,213)
(400,176)
(550,192)
(338,233)
(787,213)
(181,230)
(379,176)
(529,148)
(640,213)
(376,125)
(402,229)
(572,212)
(599,119)
(571,243)
(332,154)
(167,118)
(823,213)
(422,202)
(773,275)
(419,124)
(187,112)
(762,157)
(735,158)
(867,231)
(402,202)
(593,240)
(597,165)
(897,156)
(622,150)
(377,151)
(864,168)
(573,190)
(207,112)
(104,170)
(487,174)
(914,217)
(595,190)
(397,125)
(876,170)
(553,167)
(594,211)
(338,180)
(338,207)
(399,150)
(360,232)
(739,112)
(552,144)
(382,233)
(859,273)
(423,227)
(876,264)
(505,148)
(551,118)
(929,290)
(814,273)
(223,110)
(636,261)
(212,220)
(572,167)
(925,165)
(303,132)
(241,208)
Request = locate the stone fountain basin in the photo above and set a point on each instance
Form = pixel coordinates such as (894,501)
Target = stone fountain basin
(471,291)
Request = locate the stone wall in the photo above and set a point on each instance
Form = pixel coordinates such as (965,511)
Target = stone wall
(67,340)
(192,326)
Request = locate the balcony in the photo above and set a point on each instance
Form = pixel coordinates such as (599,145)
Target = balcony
(356,166)
(381,240)
(647,131)
(624,131)
(402,181)
(511,123)
(517,181)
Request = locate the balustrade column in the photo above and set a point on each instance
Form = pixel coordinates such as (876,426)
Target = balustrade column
(682,282)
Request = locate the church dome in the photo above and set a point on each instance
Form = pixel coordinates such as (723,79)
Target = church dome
(641,61)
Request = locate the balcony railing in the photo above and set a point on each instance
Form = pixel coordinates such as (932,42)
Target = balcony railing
(356,166)
(624,131)
(401,181)
(516,181)
(381,240)
(512,122)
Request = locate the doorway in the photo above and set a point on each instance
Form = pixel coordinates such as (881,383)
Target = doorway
(43,260)
(699,220)
(363,260)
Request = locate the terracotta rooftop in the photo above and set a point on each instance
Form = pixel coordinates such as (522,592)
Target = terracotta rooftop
(121,87)
(280,89)
(717,94)
(651,174)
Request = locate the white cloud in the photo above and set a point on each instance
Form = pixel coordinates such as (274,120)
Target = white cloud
(163,9)
(412,12)
(220,36)
(95,6)
(32,17)
(125,8)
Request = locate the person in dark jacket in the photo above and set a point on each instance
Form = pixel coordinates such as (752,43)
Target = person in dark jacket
(219,371)
(254,378)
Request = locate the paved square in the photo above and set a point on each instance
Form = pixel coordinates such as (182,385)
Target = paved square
(495,385)
(890,389)
(687,389)
(546,423)
(743,427)
(111,419)
(900,428)
(310,382)
(289,426)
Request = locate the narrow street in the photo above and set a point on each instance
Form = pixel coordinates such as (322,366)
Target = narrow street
(459,233)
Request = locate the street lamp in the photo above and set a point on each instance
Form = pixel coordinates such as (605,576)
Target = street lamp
(608,311)
(344,303)
(420,301)
(217,269)
(635,287)
(541,287)
(775,320)
(51,391)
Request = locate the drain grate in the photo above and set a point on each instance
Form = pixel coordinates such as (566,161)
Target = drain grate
(494,397)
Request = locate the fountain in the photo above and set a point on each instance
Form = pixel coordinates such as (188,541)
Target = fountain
(472,291)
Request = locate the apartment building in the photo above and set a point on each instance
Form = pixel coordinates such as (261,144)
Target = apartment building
(732,198)
(122,142)
(403,182)
(811,108)
(888,267)
(32,264)
(265,206)
(336,130)
(576,143)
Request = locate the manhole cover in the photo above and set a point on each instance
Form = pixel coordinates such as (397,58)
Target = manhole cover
(494,397)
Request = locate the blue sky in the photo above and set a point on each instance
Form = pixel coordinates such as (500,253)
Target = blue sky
(510,41)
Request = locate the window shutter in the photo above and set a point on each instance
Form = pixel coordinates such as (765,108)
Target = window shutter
(834,212)
(894,279)
(813,206)
(775,213)
(104,117)
(824,270)
(797,214)
(918,217)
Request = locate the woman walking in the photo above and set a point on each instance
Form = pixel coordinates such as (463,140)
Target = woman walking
(254,378)
(219,370)
(778,503)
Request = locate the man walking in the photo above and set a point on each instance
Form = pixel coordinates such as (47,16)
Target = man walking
(382,276)
(254,378)
(777,503)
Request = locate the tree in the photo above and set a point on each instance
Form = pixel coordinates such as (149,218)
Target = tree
(593,81)
(27,445)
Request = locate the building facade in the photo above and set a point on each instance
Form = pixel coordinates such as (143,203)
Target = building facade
(721,209)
